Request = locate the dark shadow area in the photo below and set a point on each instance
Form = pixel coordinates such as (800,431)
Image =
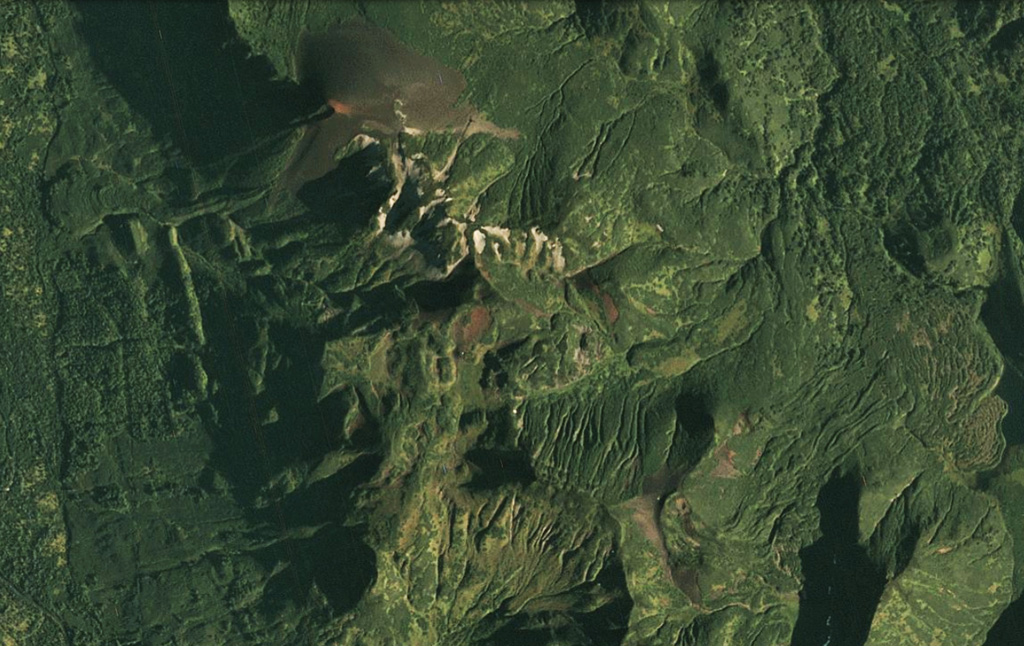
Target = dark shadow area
(352,193)
(341,564)
(496,365)
(499,428)
(405,207)
(300,434)
(1009,629)
(208,235)
(183,379)
(604,626)
(603,18)
(231,413)
(456,289)
(120,231)
(493,463)
(1011,390)
(543,198)
(494,374)
(432,239)
(976,19)
(695,430)
(345,414)
(1002,315)
(902,243)
(631,25)
(709,76)
(336,558)
(266,421)
(1017,215)
(330,499)
(183,67)
(368,311)
(608,624)
(1008,36)
(494,468)
(928,248)
(842,587)
(274,421)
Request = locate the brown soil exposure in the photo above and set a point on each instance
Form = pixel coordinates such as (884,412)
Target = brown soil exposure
(469,331)
(374,83)
(646,513)
(611,311)
(725,467)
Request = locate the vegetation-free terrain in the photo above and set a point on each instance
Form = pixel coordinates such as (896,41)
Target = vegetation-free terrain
(494,324)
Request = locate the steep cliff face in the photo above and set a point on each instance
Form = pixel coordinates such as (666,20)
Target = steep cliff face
(592,323)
